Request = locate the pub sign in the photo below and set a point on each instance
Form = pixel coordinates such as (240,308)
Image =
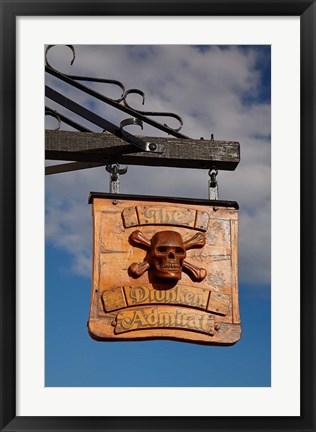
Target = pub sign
(164,268)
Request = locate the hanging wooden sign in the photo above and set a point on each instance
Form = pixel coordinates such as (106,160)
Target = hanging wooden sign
(164,268)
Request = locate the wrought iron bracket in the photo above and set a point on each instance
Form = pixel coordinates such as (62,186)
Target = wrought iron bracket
(96,149)
(101,122)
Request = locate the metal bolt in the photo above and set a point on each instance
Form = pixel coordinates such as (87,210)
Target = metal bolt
(152,146)
(113,323)
(115,202)
(217,327)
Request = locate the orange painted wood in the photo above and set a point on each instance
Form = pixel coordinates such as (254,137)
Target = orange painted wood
(130,302)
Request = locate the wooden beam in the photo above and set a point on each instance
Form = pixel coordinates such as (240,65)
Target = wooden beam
(72,166)
(106,149)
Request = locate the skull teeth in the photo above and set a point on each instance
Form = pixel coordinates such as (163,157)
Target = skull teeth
(169,266)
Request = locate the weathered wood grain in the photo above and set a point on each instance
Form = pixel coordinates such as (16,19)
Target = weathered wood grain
(107,148)
(128,307)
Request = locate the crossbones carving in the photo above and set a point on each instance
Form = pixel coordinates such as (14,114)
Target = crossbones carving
(166,255)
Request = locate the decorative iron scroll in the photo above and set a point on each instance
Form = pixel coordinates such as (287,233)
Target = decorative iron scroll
(61,118)
(119,103)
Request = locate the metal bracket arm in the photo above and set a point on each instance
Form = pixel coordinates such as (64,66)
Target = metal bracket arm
(102,123)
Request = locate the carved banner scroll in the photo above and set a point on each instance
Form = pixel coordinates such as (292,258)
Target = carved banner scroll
(152,318)
(164,268)
(153,215)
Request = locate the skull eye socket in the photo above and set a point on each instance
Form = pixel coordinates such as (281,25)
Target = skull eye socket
(162,248)
(179,250)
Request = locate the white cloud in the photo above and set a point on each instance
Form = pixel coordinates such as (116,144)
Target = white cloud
(210,90)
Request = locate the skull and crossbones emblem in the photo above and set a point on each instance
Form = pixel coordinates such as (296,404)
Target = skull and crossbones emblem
(166,253)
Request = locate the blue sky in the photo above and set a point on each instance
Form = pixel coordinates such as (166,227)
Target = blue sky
(220,90)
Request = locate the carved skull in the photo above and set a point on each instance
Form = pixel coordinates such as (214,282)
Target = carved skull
(167,253)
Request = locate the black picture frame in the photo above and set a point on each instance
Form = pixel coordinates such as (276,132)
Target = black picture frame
(9,11)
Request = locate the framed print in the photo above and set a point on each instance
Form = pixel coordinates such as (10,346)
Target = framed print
(160,349)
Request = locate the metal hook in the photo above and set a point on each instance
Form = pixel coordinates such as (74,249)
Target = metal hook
(213,174)
(213,185)
(115,172)
(131,121)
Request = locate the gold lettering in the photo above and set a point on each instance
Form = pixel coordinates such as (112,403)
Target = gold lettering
(166,319)
(171,295)
(178,216)
(189,298)
(129,322)
(193,322)
(180,318)
(179,295)
(204,325)
(139,293)
(159,296)
(152,318)
(167,216)
(198,300)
